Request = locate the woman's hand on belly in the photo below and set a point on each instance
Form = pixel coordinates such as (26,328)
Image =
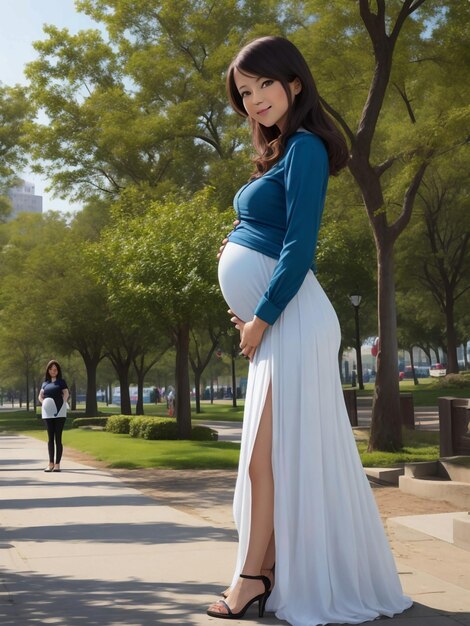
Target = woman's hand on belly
(225,241)
(251,334)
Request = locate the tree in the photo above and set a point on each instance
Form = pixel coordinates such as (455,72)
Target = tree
(202,347)
(15,114)
(44,260)
(164,261)
(345,259)
(393,31)
(434,253)
(143,104)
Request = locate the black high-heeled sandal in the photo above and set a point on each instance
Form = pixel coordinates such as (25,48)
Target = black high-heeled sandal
(260,598)
(225,593)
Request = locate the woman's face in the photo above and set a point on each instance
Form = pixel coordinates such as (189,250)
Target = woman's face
(265,99)
(53,371)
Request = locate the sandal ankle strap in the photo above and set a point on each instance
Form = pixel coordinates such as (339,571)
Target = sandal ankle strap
(264,579)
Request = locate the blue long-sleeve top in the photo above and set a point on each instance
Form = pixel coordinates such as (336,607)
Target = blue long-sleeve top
(280,214)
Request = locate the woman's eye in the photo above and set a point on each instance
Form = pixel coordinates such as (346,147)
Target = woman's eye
(243,94)
(267,83)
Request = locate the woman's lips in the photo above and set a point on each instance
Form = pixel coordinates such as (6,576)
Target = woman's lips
(263,111)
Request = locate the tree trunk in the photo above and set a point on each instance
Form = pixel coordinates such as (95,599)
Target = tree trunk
(27,388)
(73,396)
(386,421)
(197,386)
(35,396)
(451,337)
(183,401)
(412,362)
(91,404)
(139,407)
(122,370)
(427,352)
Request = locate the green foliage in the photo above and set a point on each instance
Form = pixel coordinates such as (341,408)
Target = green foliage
(453,381)
(142,101)
(79,422)
(164,259)
(16,112)
(154,428)
(119,424)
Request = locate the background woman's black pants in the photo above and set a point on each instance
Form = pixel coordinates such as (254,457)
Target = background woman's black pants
(55,426)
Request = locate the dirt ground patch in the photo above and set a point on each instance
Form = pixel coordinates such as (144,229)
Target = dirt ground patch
(208,493)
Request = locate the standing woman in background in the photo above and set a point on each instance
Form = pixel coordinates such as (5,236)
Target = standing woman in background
(53,397)
(302,501)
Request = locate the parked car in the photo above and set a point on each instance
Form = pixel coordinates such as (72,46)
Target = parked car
(437,370)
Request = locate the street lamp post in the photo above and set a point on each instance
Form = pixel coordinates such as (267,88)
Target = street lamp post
(356,302)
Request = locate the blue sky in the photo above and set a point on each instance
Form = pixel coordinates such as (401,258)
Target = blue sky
(21,23)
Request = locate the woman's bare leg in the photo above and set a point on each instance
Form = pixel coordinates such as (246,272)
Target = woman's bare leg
(262,515)
(267,569)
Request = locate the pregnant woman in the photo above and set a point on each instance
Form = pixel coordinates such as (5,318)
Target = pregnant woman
(311,543)
(53,397)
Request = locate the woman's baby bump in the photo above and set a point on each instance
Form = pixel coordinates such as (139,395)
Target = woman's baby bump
(244,276)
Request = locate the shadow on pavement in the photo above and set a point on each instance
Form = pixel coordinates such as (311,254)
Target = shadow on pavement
(33,599)
(30,599)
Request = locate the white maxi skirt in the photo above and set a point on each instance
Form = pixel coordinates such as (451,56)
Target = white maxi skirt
(333,560)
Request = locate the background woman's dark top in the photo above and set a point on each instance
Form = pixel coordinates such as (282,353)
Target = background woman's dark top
(54,390)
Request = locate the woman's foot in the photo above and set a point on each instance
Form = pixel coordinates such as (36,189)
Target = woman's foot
(56,468)
(241,596)
(49,468)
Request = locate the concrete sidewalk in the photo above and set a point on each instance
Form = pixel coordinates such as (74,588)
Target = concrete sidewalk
(81,549)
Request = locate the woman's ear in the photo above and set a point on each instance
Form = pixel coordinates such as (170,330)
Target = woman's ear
(296,86)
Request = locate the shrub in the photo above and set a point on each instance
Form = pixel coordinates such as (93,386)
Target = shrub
(159,428)
(153,428)
(204,433)
(89,421)
(135,426)
(118,424)
(456,381)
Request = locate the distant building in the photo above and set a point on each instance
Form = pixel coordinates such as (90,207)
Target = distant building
(24,200)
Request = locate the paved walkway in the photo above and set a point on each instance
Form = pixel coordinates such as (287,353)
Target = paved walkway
(80,548)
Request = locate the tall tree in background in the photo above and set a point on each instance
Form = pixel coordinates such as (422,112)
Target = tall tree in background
(434,254)
(163,261)
(142,102)
(391,144)
(15,113)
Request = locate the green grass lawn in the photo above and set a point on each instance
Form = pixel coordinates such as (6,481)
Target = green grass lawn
(127,452)
(418,445)
(426,393)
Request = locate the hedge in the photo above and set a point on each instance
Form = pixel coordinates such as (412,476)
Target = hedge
(456,381)
(119,424)
(89,421)
(153,428)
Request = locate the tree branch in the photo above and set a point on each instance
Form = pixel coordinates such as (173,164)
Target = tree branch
(401,222)
(407,102)
(409,7)
(339,118)
(383,167)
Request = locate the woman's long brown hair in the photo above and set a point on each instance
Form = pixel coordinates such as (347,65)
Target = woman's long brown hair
(278,59)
